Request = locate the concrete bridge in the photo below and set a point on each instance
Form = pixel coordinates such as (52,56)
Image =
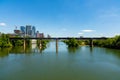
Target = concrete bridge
(63,38)
(60,38)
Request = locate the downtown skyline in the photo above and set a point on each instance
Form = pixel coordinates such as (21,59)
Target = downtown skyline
(62,18)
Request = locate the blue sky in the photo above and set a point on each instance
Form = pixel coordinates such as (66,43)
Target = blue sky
(89,18)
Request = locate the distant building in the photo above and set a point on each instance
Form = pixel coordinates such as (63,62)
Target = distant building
(17,32)
(33,31)
(48,36)
(41,35)
(37,34)
(28,30)
(23,30)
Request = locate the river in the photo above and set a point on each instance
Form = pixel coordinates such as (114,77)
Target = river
(83,63)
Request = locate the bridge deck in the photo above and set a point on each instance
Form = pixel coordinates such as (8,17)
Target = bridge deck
(65,38)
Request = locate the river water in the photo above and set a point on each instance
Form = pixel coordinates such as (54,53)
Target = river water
(83,63)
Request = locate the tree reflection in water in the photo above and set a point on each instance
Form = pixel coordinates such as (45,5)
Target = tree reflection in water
(115,52)
(4,52)
(72,49)
(20,50)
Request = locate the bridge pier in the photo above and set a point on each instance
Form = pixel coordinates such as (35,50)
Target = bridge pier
(91,42)
(40,44)
(56,45)
(24,44)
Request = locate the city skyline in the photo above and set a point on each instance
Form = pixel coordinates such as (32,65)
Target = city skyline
(27,31)
(62,18)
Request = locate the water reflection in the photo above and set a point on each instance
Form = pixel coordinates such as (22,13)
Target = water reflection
(72,49)
(56,48)
(20,50)
(41,49)
(113,52)
(4,52)
(91,49)
(77,63)
(34,49)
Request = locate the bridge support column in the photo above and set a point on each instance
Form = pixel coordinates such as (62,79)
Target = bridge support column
(56,45)
(40,44)
(24,44)
(91,43)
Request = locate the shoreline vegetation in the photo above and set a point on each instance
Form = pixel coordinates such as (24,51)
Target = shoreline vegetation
(75,43)
(113,43)
(5,42)
(108,43)
(72,42)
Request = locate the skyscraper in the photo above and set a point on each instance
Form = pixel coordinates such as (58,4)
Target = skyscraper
(33,31)
(28,30)
(22,28)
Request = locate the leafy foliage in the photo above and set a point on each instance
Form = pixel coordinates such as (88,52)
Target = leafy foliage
(109,43)
(42,43)
(72,42)
(4,41)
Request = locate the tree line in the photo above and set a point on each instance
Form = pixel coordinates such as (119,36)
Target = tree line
(6,42)
(108,43)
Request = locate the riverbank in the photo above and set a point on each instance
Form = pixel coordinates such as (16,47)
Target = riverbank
(5,42)
(109,43)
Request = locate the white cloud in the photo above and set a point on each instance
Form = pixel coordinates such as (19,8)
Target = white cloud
(80,33)
(2,24)
(88,30)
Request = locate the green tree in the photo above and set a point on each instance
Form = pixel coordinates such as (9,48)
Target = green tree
(109,43)
(4,41)
(72,42)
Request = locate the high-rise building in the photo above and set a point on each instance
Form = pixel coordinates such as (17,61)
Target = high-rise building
(23,30)
(28,30)
(33,31)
